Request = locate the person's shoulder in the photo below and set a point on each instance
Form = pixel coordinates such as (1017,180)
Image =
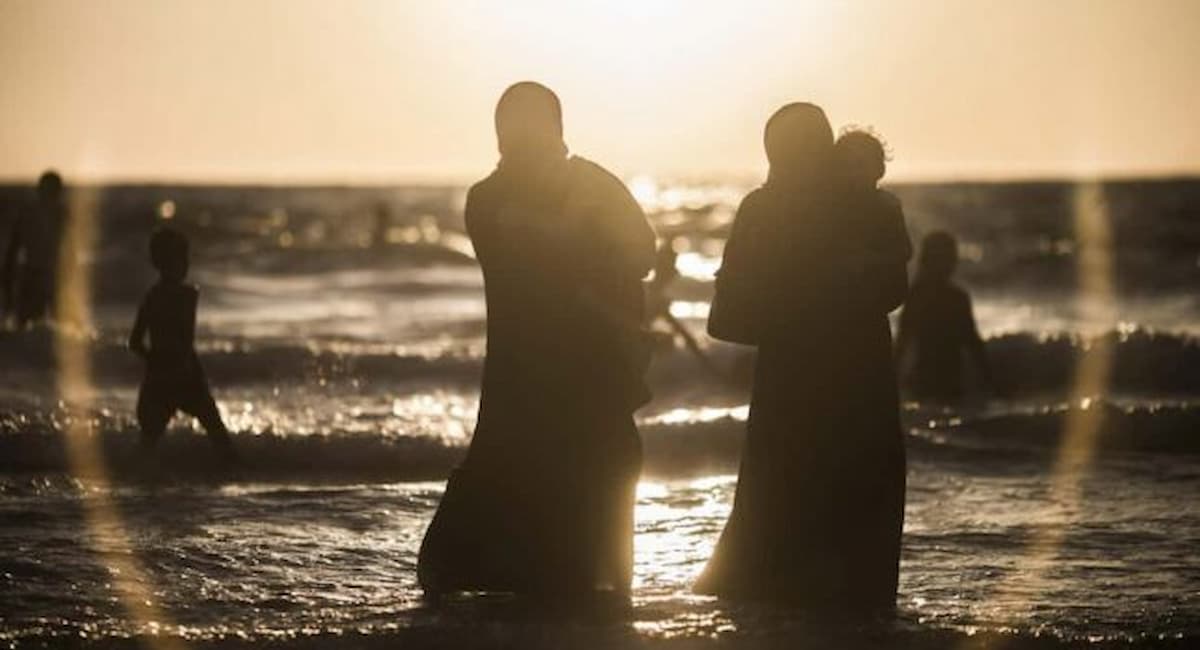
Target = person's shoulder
(886,198)
(484,188)
(592,171)
(888,203)
(152,294)
(480,195)
(590,184)
(758,198)
(958,294)
(594,179)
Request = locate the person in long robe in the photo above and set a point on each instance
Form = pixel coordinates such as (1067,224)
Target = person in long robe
(543,502)
(819,506)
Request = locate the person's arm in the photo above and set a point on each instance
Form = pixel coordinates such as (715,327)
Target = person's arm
(189,333)
(884,276)
(137,336)
(8,272)
(471,218)
(693,346)
(975,346)
(891,279)
(903,338)
(894,276)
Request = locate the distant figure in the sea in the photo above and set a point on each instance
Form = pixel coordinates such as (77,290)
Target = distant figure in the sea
(937,326)
(174,380)
(27,276)
(876,237)
(381,225)
(658,307)
(542,505)
(665,274)
(819,507)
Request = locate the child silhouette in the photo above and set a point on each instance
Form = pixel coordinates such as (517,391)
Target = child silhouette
(938,325)
(174,379)
(876,235)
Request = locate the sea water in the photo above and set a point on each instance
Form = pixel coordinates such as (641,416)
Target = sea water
(343,332)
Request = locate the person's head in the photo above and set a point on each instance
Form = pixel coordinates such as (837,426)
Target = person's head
(49,187)
(798,141)
(169,253)
(861,158)
(529,122)
(939,257)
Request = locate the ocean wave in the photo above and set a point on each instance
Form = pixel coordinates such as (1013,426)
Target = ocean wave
(1140,362)
(679,443)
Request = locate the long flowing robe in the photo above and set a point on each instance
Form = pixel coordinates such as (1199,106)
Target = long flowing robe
(543,501)
(819,507)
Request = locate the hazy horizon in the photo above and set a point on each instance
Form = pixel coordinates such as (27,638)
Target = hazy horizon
(749,178)
(369,93)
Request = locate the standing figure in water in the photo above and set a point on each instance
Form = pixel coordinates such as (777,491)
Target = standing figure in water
(937,326)
(31,259)
(658,308)
(174,379)
(542,505)
(819,506)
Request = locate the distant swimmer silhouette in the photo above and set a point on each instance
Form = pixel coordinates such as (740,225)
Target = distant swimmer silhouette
(381,224)
(937,326)
(542,505)
(659,308)
(31,259)
(812,265)
(174,380)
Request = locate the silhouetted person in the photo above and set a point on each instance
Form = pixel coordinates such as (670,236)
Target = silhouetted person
(819,506)
(876,239)
(31,259)
(659,306)
(174,380)
(543,503)
(937,326)
(381,224)
(665,274)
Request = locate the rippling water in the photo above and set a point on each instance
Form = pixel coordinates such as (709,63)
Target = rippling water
(344,350)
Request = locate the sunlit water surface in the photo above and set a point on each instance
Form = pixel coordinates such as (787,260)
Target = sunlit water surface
(345,355)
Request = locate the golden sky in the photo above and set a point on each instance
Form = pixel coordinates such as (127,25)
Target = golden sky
(389,91)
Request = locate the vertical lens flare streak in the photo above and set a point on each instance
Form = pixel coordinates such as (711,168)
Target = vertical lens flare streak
(105,529)
(1015,596)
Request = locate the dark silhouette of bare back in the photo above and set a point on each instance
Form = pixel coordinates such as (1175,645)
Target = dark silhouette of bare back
(174,379)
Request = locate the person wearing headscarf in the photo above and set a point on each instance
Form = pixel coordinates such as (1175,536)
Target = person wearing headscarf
(819,502)
(543,502)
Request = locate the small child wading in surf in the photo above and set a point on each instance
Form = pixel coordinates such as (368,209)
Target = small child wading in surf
(174,379)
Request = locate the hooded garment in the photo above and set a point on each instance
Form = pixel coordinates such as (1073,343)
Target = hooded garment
(543,502)
(819,504)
